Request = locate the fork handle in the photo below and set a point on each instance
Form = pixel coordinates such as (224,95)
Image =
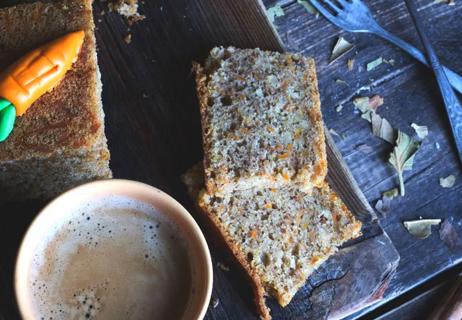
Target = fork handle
(452,104)
(454,79)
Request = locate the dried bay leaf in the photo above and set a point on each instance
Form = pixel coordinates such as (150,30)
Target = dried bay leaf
(341,47)
(391,193)
(374,64)
(402,157)
(421,131)
(375,102)
(449,235)
(362,104)
(274,11)
(391,62)
(448,182)
(382,128)
(367,116)
(421,229)
(365,104)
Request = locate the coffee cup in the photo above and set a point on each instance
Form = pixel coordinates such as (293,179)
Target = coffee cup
(113,249)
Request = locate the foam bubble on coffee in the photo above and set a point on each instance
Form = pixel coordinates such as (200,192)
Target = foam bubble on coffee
(117,258)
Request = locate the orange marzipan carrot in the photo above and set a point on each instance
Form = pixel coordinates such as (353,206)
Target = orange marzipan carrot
(39,71)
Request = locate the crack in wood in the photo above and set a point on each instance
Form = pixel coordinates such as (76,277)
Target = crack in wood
(324,282)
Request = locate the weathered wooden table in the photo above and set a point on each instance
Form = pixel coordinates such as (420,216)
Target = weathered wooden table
(410,95)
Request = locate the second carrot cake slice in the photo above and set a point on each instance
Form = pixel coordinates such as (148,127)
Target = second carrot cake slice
(261,120)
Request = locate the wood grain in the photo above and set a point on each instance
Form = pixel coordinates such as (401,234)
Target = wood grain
(152,118)
(450,307)
(410,95)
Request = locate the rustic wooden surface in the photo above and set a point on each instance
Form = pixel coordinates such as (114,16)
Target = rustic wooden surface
(131,75)
(410,95)
(338,275)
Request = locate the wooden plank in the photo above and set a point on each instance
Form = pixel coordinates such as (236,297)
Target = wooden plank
(420,306)
(410,96)
(152,118)
(336,290)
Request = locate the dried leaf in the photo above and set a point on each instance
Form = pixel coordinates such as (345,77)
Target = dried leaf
(350,64)
(391,193)
(274,11)
(448,182)
(383,206)
(402,157)
(365,104)
(374,64)
(391,62)
(364,148)
(367,116)
(309,7)
(362,104)
(339,108)
(421,131)
(375,102)
(421,229)
(448,235)
(341,47)
(382,128)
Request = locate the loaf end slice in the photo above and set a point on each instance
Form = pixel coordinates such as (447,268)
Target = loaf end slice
(261,120)
(279,235)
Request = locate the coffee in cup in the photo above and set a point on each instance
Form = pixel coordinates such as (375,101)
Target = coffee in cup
(111,257)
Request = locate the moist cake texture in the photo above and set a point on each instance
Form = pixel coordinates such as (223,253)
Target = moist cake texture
(261,120)
(60,142)
(279,235)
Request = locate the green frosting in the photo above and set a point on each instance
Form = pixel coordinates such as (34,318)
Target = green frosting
(7,118)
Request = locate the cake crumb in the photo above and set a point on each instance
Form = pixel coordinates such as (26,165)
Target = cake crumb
(126,8)
(223,267)
(128,38)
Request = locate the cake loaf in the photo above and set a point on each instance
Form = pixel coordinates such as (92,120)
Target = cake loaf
(60,142)
(279,236)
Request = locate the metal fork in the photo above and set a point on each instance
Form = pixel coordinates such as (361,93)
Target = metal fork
(355,16)
(452,104)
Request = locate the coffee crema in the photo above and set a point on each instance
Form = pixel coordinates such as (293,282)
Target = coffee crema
(116,258)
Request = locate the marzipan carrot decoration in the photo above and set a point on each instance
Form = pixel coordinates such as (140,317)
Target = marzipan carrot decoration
(35,74)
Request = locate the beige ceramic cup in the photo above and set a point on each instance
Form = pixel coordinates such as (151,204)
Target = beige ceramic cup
(200,260)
